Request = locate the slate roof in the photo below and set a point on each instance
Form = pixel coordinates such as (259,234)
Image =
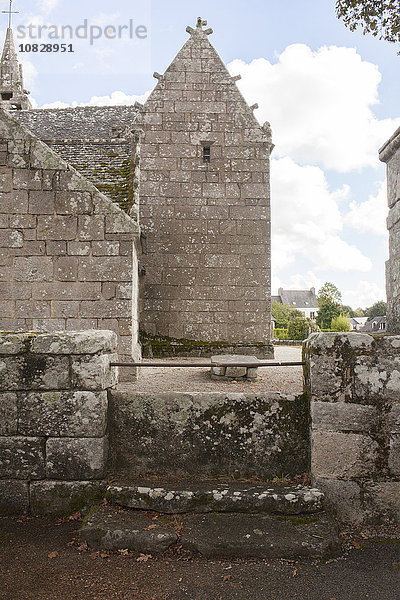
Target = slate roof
(80,123)
(373,325)
(298,298)
(91,139)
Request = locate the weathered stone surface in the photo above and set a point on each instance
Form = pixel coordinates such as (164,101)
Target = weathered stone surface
(13,343)
(204,221)
(75,342)
(342,498)
(111,529)
(255,536)
(340,416)
(80,459)
(382,501)
(36,372)
(216,497)
(390,154)
(343,456)
(8,414)
(94,372)
(394,455)
(394,419)
(22,457)
(51,227)
(209,433)
(14,497)
(65,414)
(64,497)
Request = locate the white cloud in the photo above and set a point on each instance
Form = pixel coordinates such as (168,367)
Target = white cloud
(48,6)
(370,216)
(303,281)
(364,294)
(319,105)
(30,73)
(306,221)
(115,99)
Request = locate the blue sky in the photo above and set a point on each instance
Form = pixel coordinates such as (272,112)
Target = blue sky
(332,98)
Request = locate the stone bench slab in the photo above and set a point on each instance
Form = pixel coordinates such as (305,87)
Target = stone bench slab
(223,371)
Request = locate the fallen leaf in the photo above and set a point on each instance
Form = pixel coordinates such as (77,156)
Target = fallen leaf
(52,554)
(153,526)
(124,551)
(227,577)
(143,558)
(71,543)
(104,555)
(294,572)
(356,545)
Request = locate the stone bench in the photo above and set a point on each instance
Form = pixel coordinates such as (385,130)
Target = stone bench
(224,372)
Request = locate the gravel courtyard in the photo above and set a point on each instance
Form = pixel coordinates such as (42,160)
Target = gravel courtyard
(288,380)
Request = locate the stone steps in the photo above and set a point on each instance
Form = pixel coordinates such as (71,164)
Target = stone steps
(204,497)
(214,535)
(218,520)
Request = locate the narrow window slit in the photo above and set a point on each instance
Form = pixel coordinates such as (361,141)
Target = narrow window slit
(206,154)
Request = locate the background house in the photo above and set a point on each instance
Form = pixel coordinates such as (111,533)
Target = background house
(375,325)
(357,323)
(303,300)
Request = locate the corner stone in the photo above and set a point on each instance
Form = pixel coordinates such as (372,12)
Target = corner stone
(76,459)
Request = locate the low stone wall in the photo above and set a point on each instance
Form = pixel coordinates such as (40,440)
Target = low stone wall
(208,434)
(53,419)
(353,382)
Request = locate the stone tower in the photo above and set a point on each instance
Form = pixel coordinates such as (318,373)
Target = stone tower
(204,208)
(13,96)
(390,154)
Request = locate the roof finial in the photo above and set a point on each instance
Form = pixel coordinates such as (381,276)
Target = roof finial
(199,27)
(10,12)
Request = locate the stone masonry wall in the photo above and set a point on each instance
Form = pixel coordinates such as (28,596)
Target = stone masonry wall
(53,419)
(390,154)
(353,382)
(67,253)
(206,225)
(208,434)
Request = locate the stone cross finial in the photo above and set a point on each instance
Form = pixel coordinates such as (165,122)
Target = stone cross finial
(199,27)
(10,12)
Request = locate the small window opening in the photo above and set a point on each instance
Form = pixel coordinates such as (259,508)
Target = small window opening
(206,154)
(6,95)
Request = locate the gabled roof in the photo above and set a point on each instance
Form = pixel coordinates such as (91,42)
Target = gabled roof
(299,298)
(198,80)
(373,324)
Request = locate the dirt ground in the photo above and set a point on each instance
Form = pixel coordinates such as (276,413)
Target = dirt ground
(287,380)
(40,559)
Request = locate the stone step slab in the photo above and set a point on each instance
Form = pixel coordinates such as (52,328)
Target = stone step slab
(214,535)
(261,536)
(203,497)
(109,528)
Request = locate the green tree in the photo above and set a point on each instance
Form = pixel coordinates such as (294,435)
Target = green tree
(377,310)
(329,291)
(359,312)
(348,311)
(298,328)
(330,304)
(381,18)
(283,313)
(328,310)
(340,323)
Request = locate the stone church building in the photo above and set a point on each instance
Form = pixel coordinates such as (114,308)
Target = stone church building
(153,217)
